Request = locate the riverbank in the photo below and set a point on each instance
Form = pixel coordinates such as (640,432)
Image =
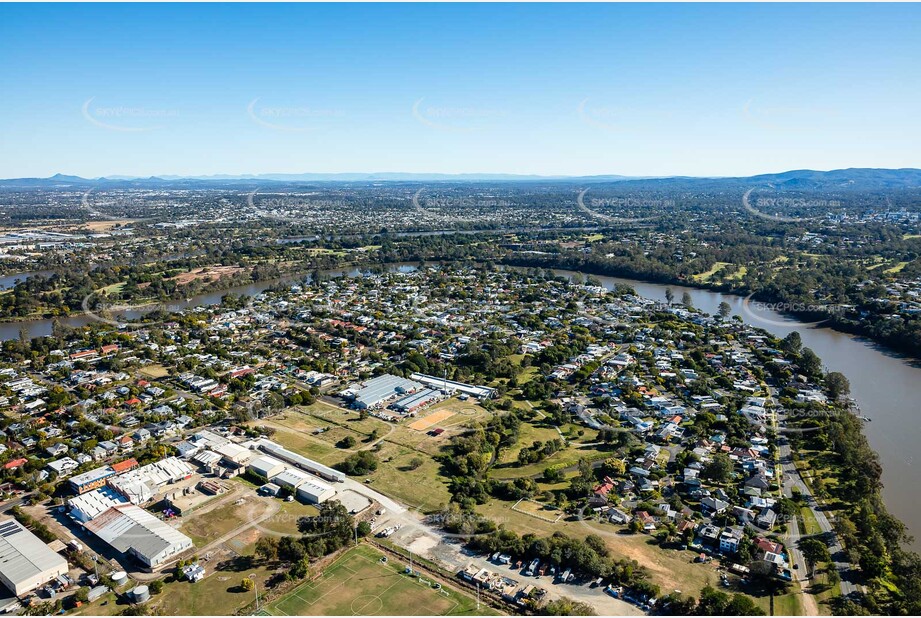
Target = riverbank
(799,311)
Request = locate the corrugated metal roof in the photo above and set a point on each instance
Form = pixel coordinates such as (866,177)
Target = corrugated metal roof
(23,555)
(128,526)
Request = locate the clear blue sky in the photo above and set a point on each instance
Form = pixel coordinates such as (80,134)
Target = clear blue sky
(544,89)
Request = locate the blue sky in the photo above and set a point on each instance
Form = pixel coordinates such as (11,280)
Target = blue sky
(533,89)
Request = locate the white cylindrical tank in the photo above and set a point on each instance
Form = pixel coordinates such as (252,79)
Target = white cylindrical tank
(119,578)
(141,594)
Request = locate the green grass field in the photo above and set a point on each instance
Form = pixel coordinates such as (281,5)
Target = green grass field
(358,583)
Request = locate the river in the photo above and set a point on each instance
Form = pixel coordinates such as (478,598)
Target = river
(886,386)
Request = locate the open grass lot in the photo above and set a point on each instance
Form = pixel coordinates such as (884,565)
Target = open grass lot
(528,434)
(705,276)
(284,522)
(154,371)
(569,456)
(219,594)
(303,442)
(358,583)
(422,488)
(210,524)
(540,510)
(897,268)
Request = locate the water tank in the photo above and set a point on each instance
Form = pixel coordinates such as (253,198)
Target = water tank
(141,594)
(119,578)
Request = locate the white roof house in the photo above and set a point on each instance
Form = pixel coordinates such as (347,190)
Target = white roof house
(26,563)
(132,530)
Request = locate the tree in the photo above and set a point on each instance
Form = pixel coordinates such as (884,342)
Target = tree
(719,469)
(359,464)
(248,584)
(415,462)
(567,607)
(346,442)
(810,363)
(814,551)
(792,343)
(267,548)
(838,385)
(364,528)
(686,300)
(669,295)
(156,586)
(724,310)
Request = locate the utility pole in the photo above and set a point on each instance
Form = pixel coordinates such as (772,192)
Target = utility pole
(356,534)
(96,567)
(478,596)
(412,571)
(256,590)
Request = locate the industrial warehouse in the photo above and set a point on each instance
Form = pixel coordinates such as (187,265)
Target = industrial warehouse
(316,468)
(132,530)
(377,391)
(26,563)
(305,486)
(450,386)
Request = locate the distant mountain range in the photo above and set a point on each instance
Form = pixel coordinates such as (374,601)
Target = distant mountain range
(844,179)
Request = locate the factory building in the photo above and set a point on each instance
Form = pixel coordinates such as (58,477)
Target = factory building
(94,479)
(87,506)
(416,401)
(480,392)
(379,390)
(142,484)
(312,491)
(267,467)
(131,530)
(311,466)
(26,563)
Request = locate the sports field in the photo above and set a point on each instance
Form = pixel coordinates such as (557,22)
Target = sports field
(358,583)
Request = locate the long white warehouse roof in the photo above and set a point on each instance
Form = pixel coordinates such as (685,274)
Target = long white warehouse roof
(25,558)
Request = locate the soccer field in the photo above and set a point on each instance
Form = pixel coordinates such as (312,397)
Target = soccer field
(358,583)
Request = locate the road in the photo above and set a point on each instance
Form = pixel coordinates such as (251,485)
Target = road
(793,479)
